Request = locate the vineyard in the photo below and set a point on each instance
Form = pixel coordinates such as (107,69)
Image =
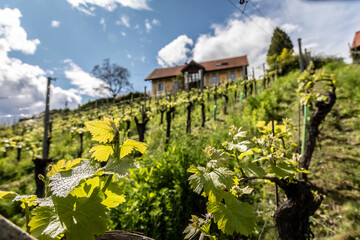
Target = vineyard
(225,163)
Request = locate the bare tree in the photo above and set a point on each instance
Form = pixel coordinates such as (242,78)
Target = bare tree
(115,77)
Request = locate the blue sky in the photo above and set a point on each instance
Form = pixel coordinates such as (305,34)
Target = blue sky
(65,39)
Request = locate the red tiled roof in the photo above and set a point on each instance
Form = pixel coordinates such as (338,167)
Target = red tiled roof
(356,42)
(209,66)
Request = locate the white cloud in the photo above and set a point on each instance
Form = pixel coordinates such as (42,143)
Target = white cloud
(155,22)
(125,20)
(23,85)
(103,23)
(149,24)
(83,80)
(123,34)
(109,5)
(12,35)
(142,59)
(235,38)
(289,28)
(175,52)
(55,24)
(129,56)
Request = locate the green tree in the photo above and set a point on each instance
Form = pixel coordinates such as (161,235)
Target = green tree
(279,41)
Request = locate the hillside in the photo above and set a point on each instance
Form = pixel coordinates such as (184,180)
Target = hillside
(159,200)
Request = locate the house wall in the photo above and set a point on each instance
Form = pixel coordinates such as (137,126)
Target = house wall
(223,76)
(168,85)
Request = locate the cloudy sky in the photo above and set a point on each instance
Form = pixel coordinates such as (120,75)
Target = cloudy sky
(65,39)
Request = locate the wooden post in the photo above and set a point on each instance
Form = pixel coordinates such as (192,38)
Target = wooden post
(8,230)
(40,164)
(301,61)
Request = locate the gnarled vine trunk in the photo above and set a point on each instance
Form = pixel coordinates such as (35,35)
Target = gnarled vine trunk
(292,217)
(188,120)
(168,125)
(322,109)
(203,116)
(141,127)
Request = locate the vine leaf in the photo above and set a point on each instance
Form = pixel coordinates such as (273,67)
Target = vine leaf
(45,223)
(212,182)
(30,200)
(252,169)
(102,152)
(218,157)
(129,145)
(6,195)
(63,165)
(102,131)
(112,198)
(119,166)
(83,217)
(283,170)
(233,215)
(63,182)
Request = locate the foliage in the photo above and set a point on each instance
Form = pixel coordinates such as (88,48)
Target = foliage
(79,197)
(279,41)
(269,157)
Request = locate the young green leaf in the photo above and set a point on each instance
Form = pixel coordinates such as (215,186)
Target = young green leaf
(83,217)
(63,182)
(63,165)
(102,152)
(129,145)
(233,215)
(119,166)
(103,131)
(45,223)
(6,195)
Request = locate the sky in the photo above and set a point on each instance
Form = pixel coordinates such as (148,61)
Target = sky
(65,39)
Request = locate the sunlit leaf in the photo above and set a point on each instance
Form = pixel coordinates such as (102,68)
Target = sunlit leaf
(102,131)
(45,223)
(232,215)
(102,152)
(129,145)
(63,182)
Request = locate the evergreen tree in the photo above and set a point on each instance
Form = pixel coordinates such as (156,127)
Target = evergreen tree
(279,41)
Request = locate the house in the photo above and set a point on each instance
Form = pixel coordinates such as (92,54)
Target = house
(197,75)
(355,47)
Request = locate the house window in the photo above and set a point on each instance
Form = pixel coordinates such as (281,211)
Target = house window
(193,77)
(176,85)
(232,76)
(214,80)
(160,86)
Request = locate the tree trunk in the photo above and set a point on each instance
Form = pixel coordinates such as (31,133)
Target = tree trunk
(81,145)
(226,104)
(40,168)
(162,117)
(128,124)
(322,109)
(188,120)
(245,89)
(168,125)
(141,127)
(18,156)
(203,116)
(292,217)
(251,88)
